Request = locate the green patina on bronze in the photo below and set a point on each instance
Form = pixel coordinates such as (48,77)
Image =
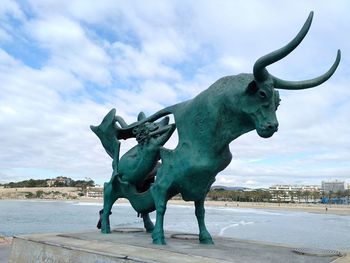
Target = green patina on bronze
(148,175)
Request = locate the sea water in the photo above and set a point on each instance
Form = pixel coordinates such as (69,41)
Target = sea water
(300,229)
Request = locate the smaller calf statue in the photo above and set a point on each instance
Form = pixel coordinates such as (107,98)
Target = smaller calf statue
(137,167)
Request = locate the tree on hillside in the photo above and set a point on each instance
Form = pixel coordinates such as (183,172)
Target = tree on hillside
(306,195)
(316,196)
(59,184)
(299,195)
(347,194)
(83,184)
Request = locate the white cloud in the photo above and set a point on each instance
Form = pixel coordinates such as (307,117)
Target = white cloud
(71,48)
(4,36)
(10,8)
(137,57)
(132,63)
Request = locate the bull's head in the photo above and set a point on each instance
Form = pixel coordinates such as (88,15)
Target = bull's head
(261,93)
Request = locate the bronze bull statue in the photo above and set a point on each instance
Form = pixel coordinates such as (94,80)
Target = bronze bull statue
(149,175)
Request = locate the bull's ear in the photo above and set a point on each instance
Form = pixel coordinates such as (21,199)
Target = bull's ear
(252,88)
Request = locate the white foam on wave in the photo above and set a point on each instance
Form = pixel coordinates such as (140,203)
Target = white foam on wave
(181,206)
(243,223)
(222,230)
(244,210)
(35,201)
(87,204)
(235,224)
(99,204)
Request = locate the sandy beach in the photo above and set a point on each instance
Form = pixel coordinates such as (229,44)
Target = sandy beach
(312,208)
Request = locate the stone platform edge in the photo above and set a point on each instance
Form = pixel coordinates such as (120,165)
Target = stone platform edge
(93,247)
(55,249)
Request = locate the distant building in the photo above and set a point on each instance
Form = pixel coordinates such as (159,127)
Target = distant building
(59,180)
(333,186)
(293,193)
(287,187)
(96,192)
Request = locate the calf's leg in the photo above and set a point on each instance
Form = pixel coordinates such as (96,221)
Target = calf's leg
(147,223)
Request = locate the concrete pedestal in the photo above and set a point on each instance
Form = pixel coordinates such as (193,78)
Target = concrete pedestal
(132,245)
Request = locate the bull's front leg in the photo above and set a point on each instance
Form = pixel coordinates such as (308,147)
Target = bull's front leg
(204,235)
(159,196)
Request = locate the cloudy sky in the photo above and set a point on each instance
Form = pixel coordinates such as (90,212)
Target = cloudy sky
(64,64)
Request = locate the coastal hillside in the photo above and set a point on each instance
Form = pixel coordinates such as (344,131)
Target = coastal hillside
(41,193)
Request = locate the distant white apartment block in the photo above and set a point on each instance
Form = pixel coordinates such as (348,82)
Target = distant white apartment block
(333,186)
(295,193)
(294,188)
(94,192)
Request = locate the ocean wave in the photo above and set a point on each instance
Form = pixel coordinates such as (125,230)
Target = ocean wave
(99,204)
(87,204)
(235,224)
(245,210)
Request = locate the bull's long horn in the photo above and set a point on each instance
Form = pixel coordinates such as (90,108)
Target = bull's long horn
(295,85)
(259,69)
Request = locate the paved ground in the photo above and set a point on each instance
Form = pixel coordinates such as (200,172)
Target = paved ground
(4,253)
(137,246)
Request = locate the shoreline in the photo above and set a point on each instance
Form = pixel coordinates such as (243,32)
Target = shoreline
(310,208)
(74,194)
(296,207)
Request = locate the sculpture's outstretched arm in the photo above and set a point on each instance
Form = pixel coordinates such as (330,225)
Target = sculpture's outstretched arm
(126,132)
(121,122)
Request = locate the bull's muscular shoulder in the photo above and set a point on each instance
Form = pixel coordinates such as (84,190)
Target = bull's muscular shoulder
(233,83)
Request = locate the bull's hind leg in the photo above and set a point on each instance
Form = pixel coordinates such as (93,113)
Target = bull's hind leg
(109,198)
(204,236)
(147,223)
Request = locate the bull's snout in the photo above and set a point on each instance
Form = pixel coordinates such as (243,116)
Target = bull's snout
(268,129)
(272,126)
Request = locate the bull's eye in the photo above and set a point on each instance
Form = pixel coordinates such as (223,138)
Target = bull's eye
(262,94)
(277,104)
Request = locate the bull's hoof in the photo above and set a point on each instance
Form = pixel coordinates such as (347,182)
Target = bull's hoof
(159,241)
(149,226)
(158,238)
(206,241)
(205,238)
(149,229)
(106,230)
